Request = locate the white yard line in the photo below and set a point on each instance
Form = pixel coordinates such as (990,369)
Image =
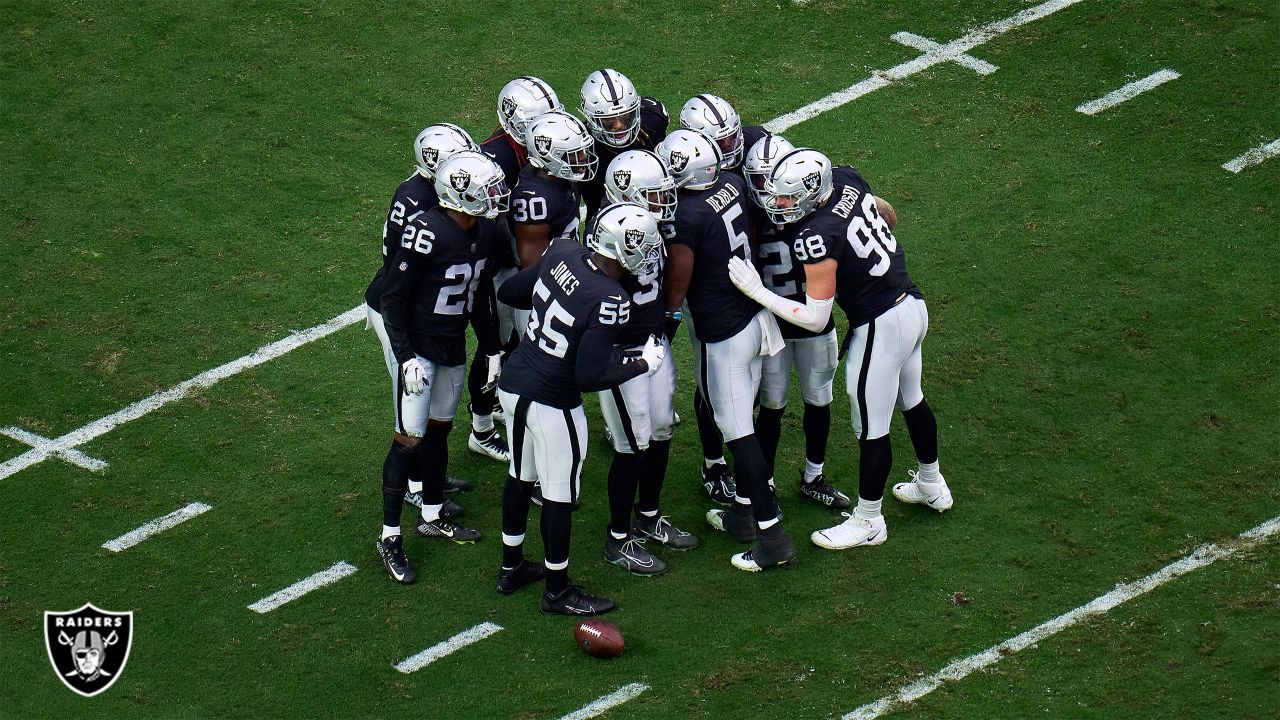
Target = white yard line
(613,699)
(329,576)
(950,52)
(924,44)
(1128,92)
(453,644)
(177,392)
(1253,157)
(160,524)
(958,670)
(44,444)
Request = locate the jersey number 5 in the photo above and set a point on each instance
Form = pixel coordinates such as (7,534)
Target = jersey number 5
(552,341)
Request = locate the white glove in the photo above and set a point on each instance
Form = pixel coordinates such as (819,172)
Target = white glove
(415,377)
(653,354)
(494,372)
(744,276)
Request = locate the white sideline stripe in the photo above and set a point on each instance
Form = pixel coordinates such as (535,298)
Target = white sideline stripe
(40,442)
(613,699)
(332,575)
(919,42)
(179,391)
(160,524)
(949,52)
(1253,157)
(1132,90)
(1198,558)
(439,650)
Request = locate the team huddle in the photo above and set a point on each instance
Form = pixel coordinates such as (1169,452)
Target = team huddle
(723,228)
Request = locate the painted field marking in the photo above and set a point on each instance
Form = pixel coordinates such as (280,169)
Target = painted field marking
(949,52)
(1124,592)
(924,44)
(439,650)
(328,576)
(177,392)
(45,445)
(1253,157)
(1128,92)
(160,524)
(613,699)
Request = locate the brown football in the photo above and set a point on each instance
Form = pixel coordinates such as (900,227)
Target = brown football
(598,638)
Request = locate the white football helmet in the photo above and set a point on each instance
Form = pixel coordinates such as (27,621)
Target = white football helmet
(611,106)
(714,117)
(560,144)
(692,158)
(436,143)
(627,233)
(522,100)
(471,183)
(759,162)
(799,182)
(640,177)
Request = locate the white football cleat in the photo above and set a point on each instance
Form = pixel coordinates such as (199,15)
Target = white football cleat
(854,531)
(934,495)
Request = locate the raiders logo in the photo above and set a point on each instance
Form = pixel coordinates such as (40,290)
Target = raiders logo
(430,156)
(678,161)
(622,178)
(88,647)
(812,181)
(460,181)
(633,238)
(542,144)
(507,107)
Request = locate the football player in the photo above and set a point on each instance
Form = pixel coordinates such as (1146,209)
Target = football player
(814,354)
(639,413)
(413,198)
(519,102)
(436,280)
(577,308)
(731,333)
(845,239)
(620,120)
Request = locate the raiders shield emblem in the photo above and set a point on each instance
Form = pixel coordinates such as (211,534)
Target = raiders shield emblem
(812,181)
(542,144)
(460,181)
(430,156)
(622,178)
(88,647)
(508,107)
(678,161)
(633,238)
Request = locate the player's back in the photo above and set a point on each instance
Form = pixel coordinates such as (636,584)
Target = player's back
(413,197)
(571,295)
(713,223)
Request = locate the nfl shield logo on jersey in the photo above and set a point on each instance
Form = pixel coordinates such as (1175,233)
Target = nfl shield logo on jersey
(542,144)
(88,647)
(678,161)
(622,178)
(812,181)
(460,181)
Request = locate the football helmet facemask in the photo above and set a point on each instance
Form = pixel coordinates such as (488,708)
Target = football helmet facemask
(627,232)
(714,117)
(692,158)
(471,183)
(522,100)
(436,143)
(799,182)
(759,161)
(560,144)
(640,177)
(611,107)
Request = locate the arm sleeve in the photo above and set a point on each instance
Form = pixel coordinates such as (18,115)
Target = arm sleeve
(600,365)
(397,296)
(517,291)
(482,316)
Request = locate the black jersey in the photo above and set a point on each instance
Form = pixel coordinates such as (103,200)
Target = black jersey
(431,286)
(569,346)
(539,200)
(714,224)
(413,197)
(872,271)
(781,270)
(510,155)
(751,134)
(648,304)
(653,130)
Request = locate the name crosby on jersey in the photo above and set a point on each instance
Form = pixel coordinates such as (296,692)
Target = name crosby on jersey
(848,201)
(565,278)
(721,199)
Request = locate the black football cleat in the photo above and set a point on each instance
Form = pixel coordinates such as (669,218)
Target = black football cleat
(719,484)
(738,521)
(823,493)
(447,529)
(455,485)
(392,552)
(772,549)
(573,601)
(517,577)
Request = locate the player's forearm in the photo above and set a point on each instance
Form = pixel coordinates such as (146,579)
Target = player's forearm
(600,366)
(812,315)
(517,290)
(482,323)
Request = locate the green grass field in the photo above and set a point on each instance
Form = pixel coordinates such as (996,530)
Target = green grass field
(181,183)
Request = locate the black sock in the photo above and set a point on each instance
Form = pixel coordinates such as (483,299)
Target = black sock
(482,402)
(556,529)
(395,480)
(515,517)
(874,462)
(624,476)
(769,429)
(433,461)
(708,433)
(817,428)
(923,428)
(750,470)
(653,474)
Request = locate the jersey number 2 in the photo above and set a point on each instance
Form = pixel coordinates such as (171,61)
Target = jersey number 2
(459,297)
